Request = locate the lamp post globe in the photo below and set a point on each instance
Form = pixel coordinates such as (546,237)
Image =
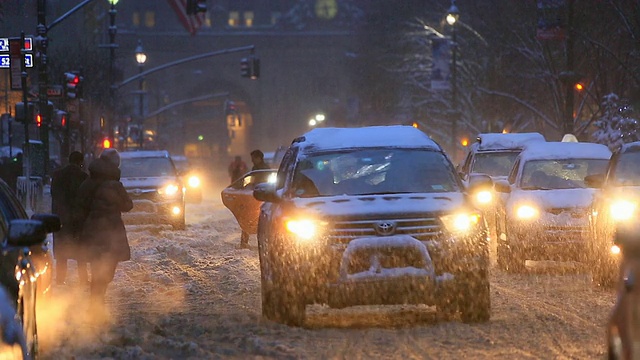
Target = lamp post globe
(141,57)
(453,14)
(113,2)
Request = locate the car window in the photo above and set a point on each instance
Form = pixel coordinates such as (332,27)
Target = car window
(374,171)
(147,167)
(514,172)
(286,166)
(10,208)
(627,171)
(494,163)
(250,180)
(559,174)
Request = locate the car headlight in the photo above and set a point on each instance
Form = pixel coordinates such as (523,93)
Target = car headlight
(527,212)
(461,223)
(193,181)
(304,229)
(169,190)
(622,210)
(484,197)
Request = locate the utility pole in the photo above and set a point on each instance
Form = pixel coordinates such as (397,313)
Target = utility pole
(572,77)
(43,85)
(26,165)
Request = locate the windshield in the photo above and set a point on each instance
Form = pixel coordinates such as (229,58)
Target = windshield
(559,174)
(374,171)
(146,167)
(627,171)
(494,163)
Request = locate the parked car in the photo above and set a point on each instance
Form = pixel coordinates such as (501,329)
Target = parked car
(623,336)
(616,201)
(192,179)
(25,269)
(372,215)
(238,197)
(545,214)
(154,185)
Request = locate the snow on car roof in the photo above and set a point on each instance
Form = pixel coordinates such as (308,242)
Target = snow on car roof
(565,150)
(630,147)
(143,154)
(366,137)
(500,141)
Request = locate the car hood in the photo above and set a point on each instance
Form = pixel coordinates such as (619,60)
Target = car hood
(628,192)
(557,198)
(147,182)
(371,205)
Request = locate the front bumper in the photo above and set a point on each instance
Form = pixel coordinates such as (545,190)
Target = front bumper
(148,211)
(396,269)
(544,238)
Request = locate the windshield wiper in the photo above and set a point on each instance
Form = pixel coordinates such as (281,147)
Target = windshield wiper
(536,188)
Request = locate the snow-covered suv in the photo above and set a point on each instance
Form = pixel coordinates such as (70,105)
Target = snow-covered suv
(370,216)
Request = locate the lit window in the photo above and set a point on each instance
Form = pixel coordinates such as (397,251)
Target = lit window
(234,18)
(275,16)
(207,20)
(149,19)
(248,18)
(136,19)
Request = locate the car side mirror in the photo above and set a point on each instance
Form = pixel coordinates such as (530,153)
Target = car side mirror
(502,186)
(51,221)
(628,237)
(594,180)
(265,192)
(24,232)
(478,182)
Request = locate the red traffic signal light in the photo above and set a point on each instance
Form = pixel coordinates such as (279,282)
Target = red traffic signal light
(106,143)
(39,120)
(73,85)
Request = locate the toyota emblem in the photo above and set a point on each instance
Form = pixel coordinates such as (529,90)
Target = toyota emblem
(385,228)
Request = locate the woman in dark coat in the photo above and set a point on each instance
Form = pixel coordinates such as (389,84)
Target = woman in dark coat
(102,198)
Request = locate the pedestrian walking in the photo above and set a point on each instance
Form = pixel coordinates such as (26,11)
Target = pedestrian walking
(237,168)
(102,199)
(257,158)
(65,183)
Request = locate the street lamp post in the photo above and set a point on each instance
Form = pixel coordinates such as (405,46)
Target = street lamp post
(113,30)
(452,19)
(141,57)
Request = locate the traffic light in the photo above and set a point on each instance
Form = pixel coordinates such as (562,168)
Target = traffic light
(39,119)
(196,6)
(245,67)
(73,85)
(230,107)
(106,143)
(250,67)
(20,112)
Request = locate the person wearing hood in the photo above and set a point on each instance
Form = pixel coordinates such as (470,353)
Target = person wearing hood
(102,199)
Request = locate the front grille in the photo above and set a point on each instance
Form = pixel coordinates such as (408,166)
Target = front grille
(143,194)
(574,211)
(423,229)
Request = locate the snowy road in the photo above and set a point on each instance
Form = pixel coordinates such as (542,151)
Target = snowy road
(193,295)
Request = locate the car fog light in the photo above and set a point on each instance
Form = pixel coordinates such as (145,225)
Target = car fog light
(622,210)
(176,210)
(526,212)
(615,249)
(484,197)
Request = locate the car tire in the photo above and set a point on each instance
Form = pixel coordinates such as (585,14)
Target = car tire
(180,224)
(509,259)
(280,301)
(604,273)
(475,302)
